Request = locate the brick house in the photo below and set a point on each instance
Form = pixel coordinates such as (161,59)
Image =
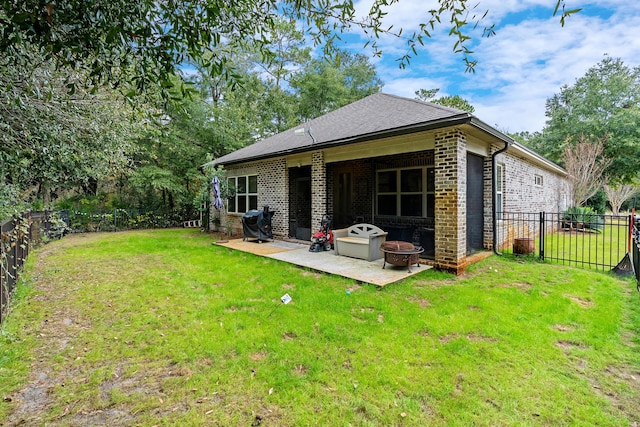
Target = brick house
(424,172)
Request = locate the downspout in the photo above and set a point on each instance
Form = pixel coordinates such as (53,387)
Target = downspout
(493,197)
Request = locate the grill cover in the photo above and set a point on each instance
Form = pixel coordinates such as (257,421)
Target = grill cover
(256,224)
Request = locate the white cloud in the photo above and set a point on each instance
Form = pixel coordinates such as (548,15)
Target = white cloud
(529,62)
(526,63)
(407,86)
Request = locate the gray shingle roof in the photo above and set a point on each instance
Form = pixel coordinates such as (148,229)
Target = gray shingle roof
(375,115)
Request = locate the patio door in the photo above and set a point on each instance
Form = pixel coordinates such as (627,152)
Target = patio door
(342,199)
(300,203)
(475,203)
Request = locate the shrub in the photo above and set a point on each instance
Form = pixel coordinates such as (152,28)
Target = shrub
(582,218)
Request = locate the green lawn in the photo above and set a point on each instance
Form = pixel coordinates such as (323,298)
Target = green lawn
(163,328)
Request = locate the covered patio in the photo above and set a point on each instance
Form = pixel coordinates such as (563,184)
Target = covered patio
(327,262)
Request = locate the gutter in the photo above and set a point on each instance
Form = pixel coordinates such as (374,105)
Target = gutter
(494,209)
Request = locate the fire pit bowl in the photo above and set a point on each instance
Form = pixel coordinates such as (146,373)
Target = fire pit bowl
(401,254)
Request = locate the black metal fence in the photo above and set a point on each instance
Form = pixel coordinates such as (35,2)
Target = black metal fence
(584,240)
(122,219)
(14,249)
(635,251)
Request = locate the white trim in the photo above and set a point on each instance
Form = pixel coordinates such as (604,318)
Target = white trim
(500,169)
(424,192)
(247,195)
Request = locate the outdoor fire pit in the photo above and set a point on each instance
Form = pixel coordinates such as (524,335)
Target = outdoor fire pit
(402,254)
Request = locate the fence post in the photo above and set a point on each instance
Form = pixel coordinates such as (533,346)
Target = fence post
(543,232)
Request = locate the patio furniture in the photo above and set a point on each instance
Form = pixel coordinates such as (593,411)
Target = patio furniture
(360,241)
(402,254)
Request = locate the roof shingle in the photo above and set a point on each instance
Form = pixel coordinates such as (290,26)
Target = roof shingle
(375,114)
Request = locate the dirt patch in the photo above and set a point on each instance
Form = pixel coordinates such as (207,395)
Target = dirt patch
(627,374)
(628,339)
(300,370)
(480,338)
(307,273)
(523,286)
(563,328)
(422,302)
(419,284)
(354,288)
(447,338)
(258,356)
(625,402)
(581,301)
(289,336)
(569,345)
(470,337)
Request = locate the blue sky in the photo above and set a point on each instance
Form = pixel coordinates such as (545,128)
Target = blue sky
(529,59)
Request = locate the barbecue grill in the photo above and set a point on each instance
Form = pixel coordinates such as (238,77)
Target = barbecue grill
(256,224)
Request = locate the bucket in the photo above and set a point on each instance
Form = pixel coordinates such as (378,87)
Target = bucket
(524,246)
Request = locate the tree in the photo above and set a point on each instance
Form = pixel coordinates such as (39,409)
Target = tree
(425,95)
(323,86)
(455,101)
(618,194)
(51,142)
(144,41)
(169,154)
(289,52)
(603,104)
(585,165)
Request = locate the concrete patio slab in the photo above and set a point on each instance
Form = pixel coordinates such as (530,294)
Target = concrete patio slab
(327,262)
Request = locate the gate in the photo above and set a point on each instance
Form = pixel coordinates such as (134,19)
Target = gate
(582,240)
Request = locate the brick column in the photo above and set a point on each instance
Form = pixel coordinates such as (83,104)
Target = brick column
(451,199)
(273,191)
(488,198)
(318,188)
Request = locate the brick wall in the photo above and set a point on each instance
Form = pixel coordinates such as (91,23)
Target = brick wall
(318,188)
(273,190)
(521,194)
(450,213)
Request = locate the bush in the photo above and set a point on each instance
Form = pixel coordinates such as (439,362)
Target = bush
(56,227)
(582,218)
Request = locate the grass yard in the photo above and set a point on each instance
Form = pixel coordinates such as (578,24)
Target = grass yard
(163,328)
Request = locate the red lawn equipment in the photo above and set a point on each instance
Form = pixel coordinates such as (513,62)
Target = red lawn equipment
(323,239)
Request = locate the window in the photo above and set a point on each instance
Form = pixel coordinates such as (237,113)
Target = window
(499,187)
(538,180)
(246,194)
(406,192)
